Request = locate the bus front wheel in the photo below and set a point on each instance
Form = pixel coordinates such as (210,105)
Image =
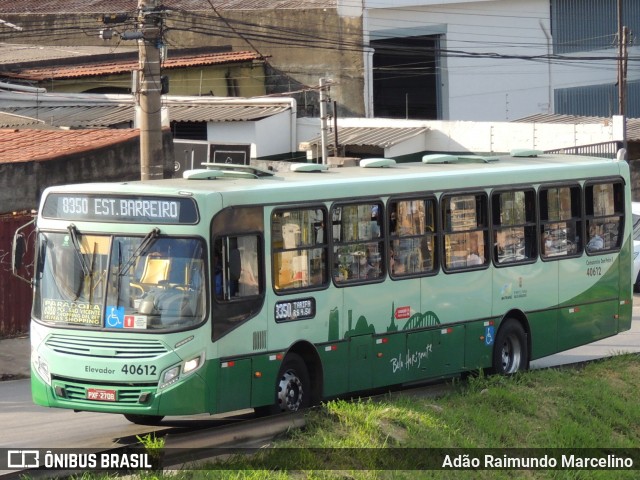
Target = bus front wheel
(510,353)
(144,419)
(293,390)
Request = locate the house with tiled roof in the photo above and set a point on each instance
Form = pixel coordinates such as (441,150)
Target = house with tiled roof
(31,160)
(198,71)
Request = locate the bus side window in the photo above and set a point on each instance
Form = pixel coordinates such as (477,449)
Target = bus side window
(514,226)
(299,249)
(560,222)
(412,237)
(604,208)
(358,243)
(466,234)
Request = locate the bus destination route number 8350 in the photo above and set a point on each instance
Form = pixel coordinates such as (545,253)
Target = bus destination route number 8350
(235,287)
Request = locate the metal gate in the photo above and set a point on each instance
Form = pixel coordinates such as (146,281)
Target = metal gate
(15,295)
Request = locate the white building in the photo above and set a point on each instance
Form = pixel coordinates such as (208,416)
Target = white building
(498,60)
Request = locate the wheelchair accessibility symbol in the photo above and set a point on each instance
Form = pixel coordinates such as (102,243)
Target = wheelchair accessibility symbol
(489,335)
(115,317)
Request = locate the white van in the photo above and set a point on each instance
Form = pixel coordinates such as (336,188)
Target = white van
(635,209)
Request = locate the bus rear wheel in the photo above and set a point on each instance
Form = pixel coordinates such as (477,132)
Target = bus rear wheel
(144,419)
(510,352)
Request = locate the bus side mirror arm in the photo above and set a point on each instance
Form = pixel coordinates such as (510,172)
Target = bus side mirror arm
(18,251)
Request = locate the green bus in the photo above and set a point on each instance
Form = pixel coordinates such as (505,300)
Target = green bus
(237,287)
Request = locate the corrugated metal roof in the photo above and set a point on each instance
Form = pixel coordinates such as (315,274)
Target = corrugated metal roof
(115,68)
(223,113)
(382,137)
(9,120)
(110,6)
(633,124)
(17,53)
(89,116)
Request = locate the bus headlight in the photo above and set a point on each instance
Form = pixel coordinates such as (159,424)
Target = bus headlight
(192,365)
(173,374)
(170,376)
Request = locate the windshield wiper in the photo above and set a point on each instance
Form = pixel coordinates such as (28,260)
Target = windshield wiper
(73,234)
(145,244)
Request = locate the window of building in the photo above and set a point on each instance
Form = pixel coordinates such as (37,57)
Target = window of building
(300,251)
(358,247)
(412,235)
(466,233)
(514,226)
(561,222)
(604,207)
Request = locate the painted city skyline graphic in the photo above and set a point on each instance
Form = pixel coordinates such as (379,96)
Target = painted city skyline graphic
(363,327)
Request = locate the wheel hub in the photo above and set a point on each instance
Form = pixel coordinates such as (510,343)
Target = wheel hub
(290,392)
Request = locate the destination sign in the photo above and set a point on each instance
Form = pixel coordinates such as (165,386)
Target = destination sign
(119,208)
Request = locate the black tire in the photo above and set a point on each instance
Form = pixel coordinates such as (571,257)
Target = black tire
(144,419)
(292,389)
(510,351)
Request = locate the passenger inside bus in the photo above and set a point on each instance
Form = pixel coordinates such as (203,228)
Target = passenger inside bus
(474,257)
(596,242)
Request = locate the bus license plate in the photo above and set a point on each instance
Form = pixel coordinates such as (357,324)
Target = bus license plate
(101,395)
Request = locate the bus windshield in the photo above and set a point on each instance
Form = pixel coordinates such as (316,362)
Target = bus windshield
(119,282)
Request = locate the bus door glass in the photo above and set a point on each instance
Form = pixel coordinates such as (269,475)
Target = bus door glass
(238,267)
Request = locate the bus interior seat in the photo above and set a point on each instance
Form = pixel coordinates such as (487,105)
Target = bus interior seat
(156,270)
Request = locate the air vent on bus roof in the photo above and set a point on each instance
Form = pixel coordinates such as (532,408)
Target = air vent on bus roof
(217,170)
(308,167)
(201,174)
(525,152)
(439,158)
(377,162)
(233,167)
(447,158)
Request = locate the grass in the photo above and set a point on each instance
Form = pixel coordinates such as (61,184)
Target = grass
(593,407)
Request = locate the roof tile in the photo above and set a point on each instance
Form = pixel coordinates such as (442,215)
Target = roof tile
(113,68)
(38,145)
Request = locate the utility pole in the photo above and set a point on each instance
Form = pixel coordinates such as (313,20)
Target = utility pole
(149,92)
(622,74)
(324,120)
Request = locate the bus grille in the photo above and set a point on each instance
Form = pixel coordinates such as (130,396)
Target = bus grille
(99,347)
